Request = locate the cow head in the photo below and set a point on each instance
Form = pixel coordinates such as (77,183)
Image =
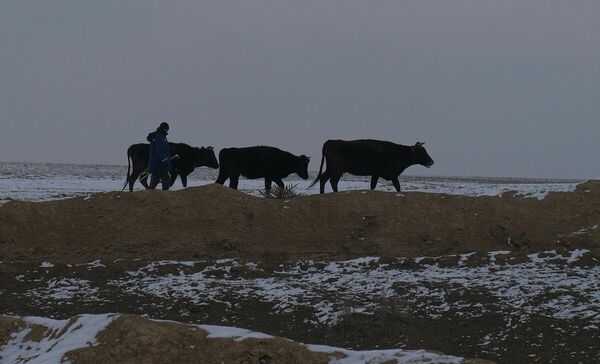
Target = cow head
(205,157)
(302,166)
(420,154)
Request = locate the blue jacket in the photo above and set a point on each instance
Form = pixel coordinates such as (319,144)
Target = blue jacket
(160,154)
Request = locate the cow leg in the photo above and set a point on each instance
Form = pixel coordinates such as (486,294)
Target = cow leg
(134,176)
(183,180)
(280,183)
(144,182)
(173,177)
(233,182)
(322,180)
(396,183)
(334,182)
(268,182)
(221,178)
(143,176)
(132,180)
(374,182)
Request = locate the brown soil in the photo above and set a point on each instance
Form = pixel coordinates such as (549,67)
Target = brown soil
(132,339)
(214,222)
(8,325)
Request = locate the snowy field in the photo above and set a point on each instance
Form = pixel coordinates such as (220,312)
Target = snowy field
(504,299)
(39,182)
(548,284)
(574,292)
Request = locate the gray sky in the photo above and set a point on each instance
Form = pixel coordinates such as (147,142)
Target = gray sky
(495,88)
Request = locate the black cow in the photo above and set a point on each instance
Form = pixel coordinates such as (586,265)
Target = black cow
(366,157)
(269,163)
(185,159)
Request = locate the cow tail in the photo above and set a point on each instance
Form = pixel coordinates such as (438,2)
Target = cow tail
(128,171)
(320,168)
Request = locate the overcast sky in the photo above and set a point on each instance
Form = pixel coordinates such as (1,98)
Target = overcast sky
(495,88)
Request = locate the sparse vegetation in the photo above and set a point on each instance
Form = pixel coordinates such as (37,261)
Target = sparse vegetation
(289,191)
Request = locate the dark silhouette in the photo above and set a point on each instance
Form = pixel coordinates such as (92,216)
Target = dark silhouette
(189,159)
(269,163)
(159,163)
(366,157)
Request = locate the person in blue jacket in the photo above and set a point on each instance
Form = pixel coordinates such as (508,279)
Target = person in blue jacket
(159,164)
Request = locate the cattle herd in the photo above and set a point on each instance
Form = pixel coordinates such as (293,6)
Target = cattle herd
(365,157)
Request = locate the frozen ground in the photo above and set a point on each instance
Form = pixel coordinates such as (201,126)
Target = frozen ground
(37,182)
(546,284)
(522,289)
(486,304)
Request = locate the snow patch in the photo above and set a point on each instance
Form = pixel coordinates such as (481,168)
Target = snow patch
(494,254)
(94,264)
(576,254)
(65,289)
(585,231)
(55,343)
(383,356)
(551,255)
(235,333)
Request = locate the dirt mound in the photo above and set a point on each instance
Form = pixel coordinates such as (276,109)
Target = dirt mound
(216,222)
(133,339)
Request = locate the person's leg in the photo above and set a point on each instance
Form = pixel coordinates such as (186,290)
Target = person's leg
(165,180)
(154,179)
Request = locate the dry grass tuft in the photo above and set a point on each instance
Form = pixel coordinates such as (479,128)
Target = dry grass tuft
(289,191)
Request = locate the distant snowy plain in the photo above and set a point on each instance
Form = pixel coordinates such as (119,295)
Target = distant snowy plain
(40,182)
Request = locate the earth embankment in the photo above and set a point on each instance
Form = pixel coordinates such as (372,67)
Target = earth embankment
(217,222)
